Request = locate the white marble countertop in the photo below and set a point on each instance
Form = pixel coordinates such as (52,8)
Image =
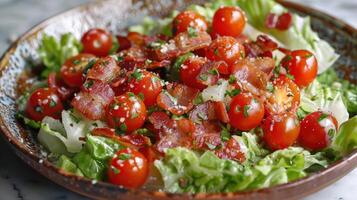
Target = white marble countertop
(20,182)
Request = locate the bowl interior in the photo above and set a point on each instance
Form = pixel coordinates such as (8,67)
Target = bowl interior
(116,15)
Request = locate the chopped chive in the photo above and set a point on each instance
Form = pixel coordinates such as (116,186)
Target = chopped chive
(245,110)
(124,156)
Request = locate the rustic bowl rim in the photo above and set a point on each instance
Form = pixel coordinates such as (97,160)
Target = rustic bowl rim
(21,151)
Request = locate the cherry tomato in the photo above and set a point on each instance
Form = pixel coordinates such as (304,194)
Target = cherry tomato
(317,130)
(126,113)
(72,69)
(225,49)
(44,102)
(190,70)
(302,65)
(285,96)
(128,168)
(145,83)
(245,112)
(280,131)
(123,42)
(97,41)
(228,21)
(187,19)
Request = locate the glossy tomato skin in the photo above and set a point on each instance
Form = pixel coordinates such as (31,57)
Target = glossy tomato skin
(126,113)
(285,96)
(128,168)
(228,21)
(317,130)
(189,72)
(302,65)
(226,49)
(245,112)
(72,69)
(44,102)
(97,42)
(281,131)
(187,19)
(145,84)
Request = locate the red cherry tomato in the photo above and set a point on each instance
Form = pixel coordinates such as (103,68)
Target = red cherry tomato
(187,19)
(228,21)
(281,131)
(72,69)
(285,96)
(123,42)
(44,102)
(145,83)
(126,113)
(97,41)
(190,70)
(128,168)
(245,112)
(317,130)
(225,49)
(302,64)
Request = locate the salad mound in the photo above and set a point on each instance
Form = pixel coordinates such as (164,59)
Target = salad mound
(222,97)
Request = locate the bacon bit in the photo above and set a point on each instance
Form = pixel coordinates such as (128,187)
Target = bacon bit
(281,22)
(136,38)
(151,65)
(221,112)
(209,74)
(207,135)
(179,45)
(124,43)
(150,153)
(177,99)
(262,47)
(137,140)
(231,150)
(64,92)
(203,112)
(93,99)
(104,132)
(159,120)
(105,70)
(249,77)
(266,65)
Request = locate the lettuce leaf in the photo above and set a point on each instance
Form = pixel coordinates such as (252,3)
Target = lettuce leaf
(67,165)
(186,171)
(299,36)
(346,138)
(54,53)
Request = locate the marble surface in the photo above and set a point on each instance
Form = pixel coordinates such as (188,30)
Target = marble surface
(20,182)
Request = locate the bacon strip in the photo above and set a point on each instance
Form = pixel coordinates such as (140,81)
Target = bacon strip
(105,69)
(209,111)
(93,99)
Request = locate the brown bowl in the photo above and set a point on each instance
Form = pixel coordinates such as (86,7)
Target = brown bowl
(115,15)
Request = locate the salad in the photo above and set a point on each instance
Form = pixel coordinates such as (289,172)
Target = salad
(222,97)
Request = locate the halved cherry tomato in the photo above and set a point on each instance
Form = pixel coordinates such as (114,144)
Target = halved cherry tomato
(188,19)
(317,130)
(285,96)
(280,131)
(225,49)
(128,168)
(126,113)
(228,21)
(97,41)
(302,65)
(145,83)
(245,112)
(44,102)
(190,70)
(72,69)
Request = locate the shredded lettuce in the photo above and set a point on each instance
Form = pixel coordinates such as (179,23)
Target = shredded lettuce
(67,165)
(186,171)
(346,139)
(65,138)
(54,53)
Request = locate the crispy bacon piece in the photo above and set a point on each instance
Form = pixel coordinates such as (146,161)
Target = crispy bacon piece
(221,112)
(105,69)
(171,133)
(93,99)
(207,135)
(177,99)
(124,43)
(180,44)
(209,111)
(262,47)
(265,64)
(231,150)
(63,91)
(249,77)
(209,74)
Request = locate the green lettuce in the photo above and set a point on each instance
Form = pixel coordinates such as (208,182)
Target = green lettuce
(67,165)
(346,139)
(186,171)
(54,53)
